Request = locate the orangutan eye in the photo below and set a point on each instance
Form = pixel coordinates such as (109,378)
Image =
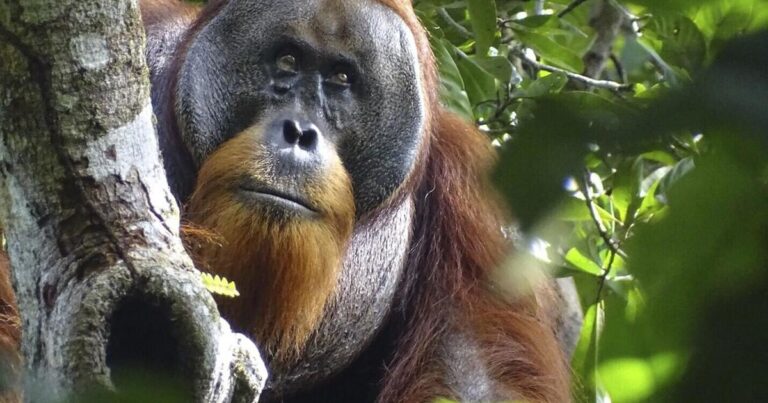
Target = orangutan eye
(287,63)
(340,78)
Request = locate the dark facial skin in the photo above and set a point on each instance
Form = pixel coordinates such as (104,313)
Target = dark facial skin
(314,78)
(320,104)
(344,68)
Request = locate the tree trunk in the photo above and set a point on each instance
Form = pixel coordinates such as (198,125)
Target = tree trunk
(102,280)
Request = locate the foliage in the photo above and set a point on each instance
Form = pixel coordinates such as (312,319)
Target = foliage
(632,142)
(218,285)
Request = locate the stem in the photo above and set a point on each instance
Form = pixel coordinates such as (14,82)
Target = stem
(591,82)
(570,7)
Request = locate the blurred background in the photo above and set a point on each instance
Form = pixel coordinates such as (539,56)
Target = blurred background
(632,137)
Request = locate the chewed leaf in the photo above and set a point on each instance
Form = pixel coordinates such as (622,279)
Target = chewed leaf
(218,285)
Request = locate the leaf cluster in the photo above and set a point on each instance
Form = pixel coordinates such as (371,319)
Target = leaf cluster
(632,137)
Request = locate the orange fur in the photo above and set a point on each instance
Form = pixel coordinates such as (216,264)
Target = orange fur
(457,243)
(285,267)
(448,285)
(10,337)
(154,11)
(460,247)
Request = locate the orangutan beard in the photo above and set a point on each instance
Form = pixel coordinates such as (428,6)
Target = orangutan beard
(285,266)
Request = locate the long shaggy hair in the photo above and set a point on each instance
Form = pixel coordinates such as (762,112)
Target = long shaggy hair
(285,267)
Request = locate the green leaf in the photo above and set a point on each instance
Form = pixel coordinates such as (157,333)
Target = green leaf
(599,110)
(586,339)
(498,66)
(706,250)
(651,181)
(542,86)
(479,84)
(452,91)
(219,285)
(552,51)
(530,174)
(648,190)
(627,379)
(583,263)
(573,209)
(724,20)
(683,44)
(660,156)
(722,24)
(672,6)
(533,21)
(669,73)
(482,15)
(679,170)
(584,356)
(626,188)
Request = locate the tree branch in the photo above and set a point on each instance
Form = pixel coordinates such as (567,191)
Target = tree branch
(606,20)
(570,7)
(591,82)
(91,226)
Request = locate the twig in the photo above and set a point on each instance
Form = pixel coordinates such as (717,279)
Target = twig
(613,246)
(501,106)
(570,7)
(591,82)
(588,198)
(630,24)
(632,30)
(604,275)
(676,142)
(619,68)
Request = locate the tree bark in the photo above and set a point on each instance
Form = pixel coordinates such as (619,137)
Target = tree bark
(606,18)
(101,277)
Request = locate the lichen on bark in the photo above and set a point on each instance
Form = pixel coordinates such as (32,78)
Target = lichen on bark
(91,227)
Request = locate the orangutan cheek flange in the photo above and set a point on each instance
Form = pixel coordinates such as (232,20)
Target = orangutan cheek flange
(350,208)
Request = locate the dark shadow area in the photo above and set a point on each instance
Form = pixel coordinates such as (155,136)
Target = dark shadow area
(144,356)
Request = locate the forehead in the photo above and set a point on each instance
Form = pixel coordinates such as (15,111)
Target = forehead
(348,21)
(346,25)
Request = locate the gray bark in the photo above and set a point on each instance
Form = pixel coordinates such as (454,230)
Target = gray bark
(91,227)
(606,18)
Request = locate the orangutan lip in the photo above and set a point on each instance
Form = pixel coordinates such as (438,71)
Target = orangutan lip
(288,200)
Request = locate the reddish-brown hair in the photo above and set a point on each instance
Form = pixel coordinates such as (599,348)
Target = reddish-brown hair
(457,243)
(10,336)
(285,268)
